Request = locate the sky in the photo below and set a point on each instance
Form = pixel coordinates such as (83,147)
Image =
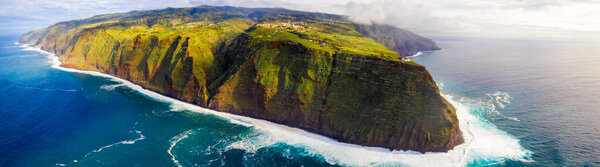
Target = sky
(511,19)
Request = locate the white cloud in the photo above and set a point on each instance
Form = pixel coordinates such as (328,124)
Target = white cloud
(538,19)
(415,17)
(531,19)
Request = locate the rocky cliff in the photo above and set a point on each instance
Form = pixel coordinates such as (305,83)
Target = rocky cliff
(314,71)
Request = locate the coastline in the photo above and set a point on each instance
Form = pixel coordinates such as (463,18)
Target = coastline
(416,54)
(335,152)
(420,53)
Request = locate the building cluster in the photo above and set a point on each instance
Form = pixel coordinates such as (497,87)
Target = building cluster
(195,25)
(296,26)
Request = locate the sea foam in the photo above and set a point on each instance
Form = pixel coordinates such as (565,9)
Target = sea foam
(173,143)
(483,141)
(416,54)
(499,98)
(141,137)
(110,87)
(137,132)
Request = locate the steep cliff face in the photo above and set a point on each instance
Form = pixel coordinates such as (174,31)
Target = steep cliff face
(314,71)
(403,42)
(401,101)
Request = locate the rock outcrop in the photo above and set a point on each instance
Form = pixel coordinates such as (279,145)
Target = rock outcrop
(314,71)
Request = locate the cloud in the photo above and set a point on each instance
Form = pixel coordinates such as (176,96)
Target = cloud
(492,18)
(414,17)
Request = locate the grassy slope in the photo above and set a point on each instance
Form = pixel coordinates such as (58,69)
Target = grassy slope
(324,76)
(301,69)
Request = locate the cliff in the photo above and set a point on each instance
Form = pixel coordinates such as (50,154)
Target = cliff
(314,71)
(403,42)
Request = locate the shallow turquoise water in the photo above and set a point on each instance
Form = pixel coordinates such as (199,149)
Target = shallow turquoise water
(53,117)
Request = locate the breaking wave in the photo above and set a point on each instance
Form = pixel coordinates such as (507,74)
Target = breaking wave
(416,55)
(492,105)
(137,132)
(140,137)
(111,87)
(484,143)
(499,98)
(174,142)
(251,143)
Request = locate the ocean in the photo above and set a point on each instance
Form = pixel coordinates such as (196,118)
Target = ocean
(520,103)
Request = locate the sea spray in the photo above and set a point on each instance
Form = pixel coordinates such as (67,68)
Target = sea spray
(484,142)
(111,87)
(128,142)
(416,55)
(173,143)
(141,137)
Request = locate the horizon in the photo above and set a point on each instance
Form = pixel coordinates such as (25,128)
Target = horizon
(299,83)
(421,18)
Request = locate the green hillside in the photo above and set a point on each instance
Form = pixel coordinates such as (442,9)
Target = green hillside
(315,71)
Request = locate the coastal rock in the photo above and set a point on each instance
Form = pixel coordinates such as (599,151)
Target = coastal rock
(315,71)
(403,42)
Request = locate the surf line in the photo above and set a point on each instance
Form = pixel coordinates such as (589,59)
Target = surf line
(174,142)
(141,137)
(138,132)
(350,154)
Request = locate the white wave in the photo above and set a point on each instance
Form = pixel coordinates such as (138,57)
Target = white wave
(483,139)
(139,133)
(416,55)
(500,98)
(174,142)
(252,143)
(141,137)
(52,58)
(111,87)
(22,45)
(440,85)
(513,118)
(31,49)
(176,105)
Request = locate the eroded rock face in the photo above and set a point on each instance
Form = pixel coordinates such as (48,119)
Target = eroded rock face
(403,42)
(353,98)
(388,104)
(317,72)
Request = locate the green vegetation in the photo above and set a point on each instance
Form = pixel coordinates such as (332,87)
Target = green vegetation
(322,35)
(315,71)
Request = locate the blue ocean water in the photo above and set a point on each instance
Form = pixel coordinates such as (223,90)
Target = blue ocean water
(520,103)
(552,90)
(56,118)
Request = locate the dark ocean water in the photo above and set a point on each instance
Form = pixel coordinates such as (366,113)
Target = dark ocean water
(553,89)
(520,103)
